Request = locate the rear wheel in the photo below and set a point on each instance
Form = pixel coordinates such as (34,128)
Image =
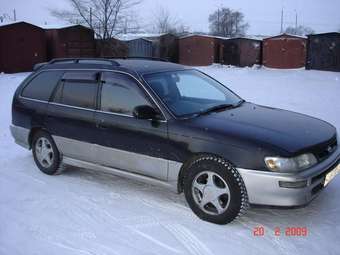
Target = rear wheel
(45,153)
(215,190)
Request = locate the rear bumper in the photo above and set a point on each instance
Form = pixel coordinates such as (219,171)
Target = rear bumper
(21,136)
(263,187)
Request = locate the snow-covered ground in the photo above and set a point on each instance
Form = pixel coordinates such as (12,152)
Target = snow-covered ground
(85,212)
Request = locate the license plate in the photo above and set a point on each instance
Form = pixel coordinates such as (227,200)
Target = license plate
(331,175)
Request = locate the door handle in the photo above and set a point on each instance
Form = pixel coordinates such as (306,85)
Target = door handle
(101,125)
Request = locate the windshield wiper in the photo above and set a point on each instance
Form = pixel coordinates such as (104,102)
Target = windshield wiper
(239,103)
(213,109)
(216,108)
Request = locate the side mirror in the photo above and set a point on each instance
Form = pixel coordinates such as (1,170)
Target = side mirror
(145,112)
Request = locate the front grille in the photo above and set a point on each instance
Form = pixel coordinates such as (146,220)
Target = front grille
(323,174)
(317,188)
(326,150)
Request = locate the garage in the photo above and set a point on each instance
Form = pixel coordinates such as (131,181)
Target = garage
(323,52)
(22,45)
(70,41)
(199,50)
(241,52)
(284,51)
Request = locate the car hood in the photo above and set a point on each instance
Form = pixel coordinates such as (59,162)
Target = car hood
(288,131)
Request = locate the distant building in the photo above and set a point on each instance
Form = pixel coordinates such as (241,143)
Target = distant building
(70,41)
(241,52)
(284,51)
(22,45)
(140,47)
(113,49)
(199,50)
(323,52)
(168,47)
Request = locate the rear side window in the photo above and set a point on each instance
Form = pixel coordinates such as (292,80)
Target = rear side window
(77,93)
(42,85)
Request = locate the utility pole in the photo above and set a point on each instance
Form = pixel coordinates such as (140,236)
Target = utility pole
(281,21)
(236,25)
(126,26)
(296,21)
(218,21)
(14,15)
(90,17)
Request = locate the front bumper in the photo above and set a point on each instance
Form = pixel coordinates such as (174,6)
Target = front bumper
(263,187)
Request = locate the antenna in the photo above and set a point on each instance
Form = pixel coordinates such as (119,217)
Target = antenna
(14,15)
(281,21)
(296,21)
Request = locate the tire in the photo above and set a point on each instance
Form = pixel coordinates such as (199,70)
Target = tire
(45,153)
(215,190)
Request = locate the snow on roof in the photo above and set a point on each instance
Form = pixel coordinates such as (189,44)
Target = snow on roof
(130,36)
(257,38)
(15,22)
(250,37)
(203,35)
(326,33)
(43,26)
(285,34)
(60,26)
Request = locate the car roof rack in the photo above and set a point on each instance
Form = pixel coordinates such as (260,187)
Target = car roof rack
(146,58)
(98,61)
(39,65)
(102,61)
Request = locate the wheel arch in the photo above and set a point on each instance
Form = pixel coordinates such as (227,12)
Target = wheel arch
(190,160)
(32,132)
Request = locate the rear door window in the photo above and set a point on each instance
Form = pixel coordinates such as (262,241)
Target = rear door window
(76,92)
(42,85)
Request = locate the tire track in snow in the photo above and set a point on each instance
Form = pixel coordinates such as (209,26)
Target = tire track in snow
(172,207)
(67,247)
(150,238)
(142,221)
(193,245)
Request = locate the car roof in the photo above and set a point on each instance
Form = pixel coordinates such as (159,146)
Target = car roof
(144,66)
(132,66)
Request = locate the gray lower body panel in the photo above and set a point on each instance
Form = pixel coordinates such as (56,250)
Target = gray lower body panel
(81,153)
(128,164)
(123,173)
(21,136)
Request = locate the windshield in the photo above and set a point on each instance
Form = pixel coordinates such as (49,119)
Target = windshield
(190,92)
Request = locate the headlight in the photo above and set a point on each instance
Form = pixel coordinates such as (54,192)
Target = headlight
(290,164)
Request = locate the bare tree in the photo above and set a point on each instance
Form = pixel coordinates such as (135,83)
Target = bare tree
(107,18)
(5,17)
(228,23)
(300,30)
(164,22)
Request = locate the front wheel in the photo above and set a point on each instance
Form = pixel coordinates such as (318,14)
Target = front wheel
(45,153)
(215,190)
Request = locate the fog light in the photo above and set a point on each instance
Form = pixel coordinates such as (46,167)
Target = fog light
(293,185)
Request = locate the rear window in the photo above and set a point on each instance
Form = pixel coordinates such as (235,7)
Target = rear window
(77,93)
(42,86)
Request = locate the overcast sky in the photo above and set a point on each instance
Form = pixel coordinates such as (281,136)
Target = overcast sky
(262,15)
